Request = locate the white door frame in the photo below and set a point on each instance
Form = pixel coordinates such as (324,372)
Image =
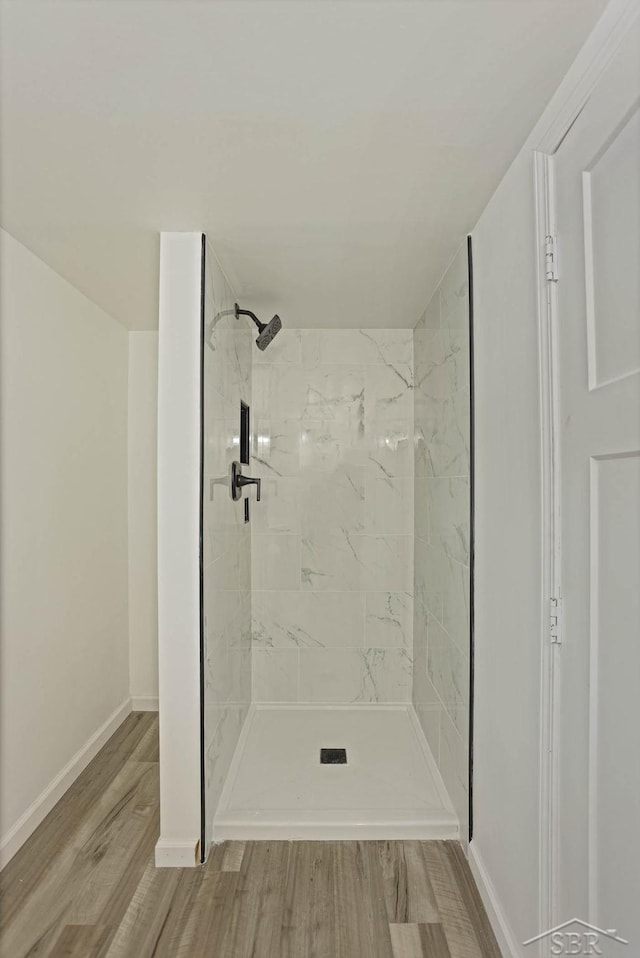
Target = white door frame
(548,136)
(551,540)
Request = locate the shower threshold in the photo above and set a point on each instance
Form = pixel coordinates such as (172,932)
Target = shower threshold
(389,787)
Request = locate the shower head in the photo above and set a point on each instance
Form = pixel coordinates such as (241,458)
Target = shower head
(266,331)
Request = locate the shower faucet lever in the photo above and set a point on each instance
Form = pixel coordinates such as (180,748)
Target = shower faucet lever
(238,481)
(248,481)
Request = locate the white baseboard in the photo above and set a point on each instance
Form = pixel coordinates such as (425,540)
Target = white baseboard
(40,808)
(507,941)
(144,703)
(179,853)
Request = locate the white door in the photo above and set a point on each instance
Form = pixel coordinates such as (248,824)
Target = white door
(597,205)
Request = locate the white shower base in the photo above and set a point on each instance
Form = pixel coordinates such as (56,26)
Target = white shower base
(390,787)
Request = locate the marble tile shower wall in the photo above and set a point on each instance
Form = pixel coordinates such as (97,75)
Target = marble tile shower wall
(442,523)
(226,541)
(332,539)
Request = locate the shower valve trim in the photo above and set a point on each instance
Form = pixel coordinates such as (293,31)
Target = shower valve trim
(238,482)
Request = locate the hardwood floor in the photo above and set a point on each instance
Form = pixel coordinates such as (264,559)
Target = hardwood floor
(85,885)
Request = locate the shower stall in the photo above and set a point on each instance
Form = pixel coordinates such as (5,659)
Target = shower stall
(335,581)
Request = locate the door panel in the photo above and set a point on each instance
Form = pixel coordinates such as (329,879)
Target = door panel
(614,714)
(611,203)
(597,203)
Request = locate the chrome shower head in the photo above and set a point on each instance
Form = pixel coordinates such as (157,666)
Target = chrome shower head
(266,331)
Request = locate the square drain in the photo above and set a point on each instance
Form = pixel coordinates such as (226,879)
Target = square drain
(333,756)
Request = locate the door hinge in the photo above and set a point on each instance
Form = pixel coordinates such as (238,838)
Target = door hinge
(551,259)
(555,620)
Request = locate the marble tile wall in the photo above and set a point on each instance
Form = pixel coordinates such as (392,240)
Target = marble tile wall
(441,626)
(226,539)
(332,539)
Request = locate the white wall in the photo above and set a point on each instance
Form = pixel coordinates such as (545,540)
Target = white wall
(143,519)
(509,589)
(179,548)
(508,549)
(64,533)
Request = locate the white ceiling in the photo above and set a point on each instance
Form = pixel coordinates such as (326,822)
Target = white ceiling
(334,152)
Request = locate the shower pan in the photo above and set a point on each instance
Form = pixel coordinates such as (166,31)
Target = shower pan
(335,574)
(388,788)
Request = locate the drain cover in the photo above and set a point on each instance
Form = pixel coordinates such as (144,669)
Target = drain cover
(333,756)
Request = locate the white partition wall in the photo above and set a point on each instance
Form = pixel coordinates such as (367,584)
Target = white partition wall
(205,689)
(179,548)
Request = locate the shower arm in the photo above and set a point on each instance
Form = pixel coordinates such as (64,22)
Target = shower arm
(247,312)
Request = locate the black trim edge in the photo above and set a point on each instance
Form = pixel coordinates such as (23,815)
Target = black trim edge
(471,532)
(203,803)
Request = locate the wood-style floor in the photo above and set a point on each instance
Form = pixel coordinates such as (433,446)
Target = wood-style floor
(85,885)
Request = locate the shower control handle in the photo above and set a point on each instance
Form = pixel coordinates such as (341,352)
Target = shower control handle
(238,481)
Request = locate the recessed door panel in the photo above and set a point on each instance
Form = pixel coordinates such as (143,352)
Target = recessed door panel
(612,252)
(614,784)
